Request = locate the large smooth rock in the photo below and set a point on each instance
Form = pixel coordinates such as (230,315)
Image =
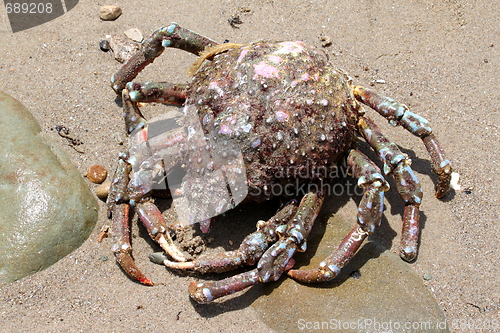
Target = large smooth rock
(386,296)
(46,209)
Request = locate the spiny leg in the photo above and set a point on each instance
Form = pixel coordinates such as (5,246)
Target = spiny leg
(292,237)
(274,261)
(132,184)
(119,202)
(157,92)
(118,210)
(369,215)
(398,114)
(407,184)
(171,36)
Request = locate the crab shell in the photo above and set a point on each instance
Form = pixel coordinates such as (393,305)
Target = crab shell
(284,105)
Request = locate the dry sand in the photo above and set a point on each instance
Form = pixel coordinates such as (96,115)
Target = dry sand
(442,58)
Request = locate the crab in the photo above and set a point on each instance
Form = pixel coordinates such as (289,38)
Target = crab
(257,116)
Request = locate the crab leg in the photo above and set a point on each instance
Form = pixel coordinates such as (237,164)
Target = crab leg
(249,252)
(398,114)
(118,209)
(133,189)
(369,215)
(120,226)
(407,184)
(157,92)
(293,238)
(171,36)
(154,222)
(275,260)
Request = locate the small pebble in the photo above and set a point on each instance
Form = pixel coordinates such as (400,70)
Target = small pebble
(104,45)
(103,258)
(109,13)
(427,277)
(102,191)
(325,41)
(355,274)
(455,178)
(97,174)
(378,81)
(134,34)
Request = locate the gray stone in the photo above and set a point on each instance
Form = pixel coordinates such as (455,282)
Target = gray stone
(375,292)
(46,210)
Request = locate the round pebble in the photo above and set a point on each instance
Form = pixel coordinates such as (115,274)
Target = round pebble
(97,174)
(109,13)
(104,45)
(427,276)
(102,190)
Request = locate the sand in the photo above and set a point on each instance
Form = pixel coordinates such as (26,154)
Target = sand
(439,57)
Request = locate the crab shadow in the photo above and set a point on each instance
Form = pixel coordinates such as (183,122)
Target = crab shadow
(381,240)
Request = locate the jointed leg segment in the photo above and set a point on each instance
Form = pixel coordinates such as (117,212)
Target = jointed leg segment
(398,114)
(171,36)
(369,215)
(398,164)
(133,178)
(407,184)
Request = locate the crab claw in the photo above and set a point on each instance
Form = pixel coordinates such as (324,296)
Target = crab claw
(154,222)
(128,265)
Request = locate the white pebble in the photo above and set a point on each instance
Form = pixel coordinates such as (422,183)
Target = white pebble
(134,34)
(455,177)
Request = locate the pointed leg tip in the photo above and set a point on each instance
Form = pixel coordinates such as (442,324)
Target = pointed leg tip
(169,247)
(441,190)
(199,294)
(146,281)
(128,265)
(408,255)
(293,273)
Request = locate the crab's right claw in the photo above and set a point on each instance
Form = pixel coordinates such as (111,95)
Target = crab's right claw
(128,265)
